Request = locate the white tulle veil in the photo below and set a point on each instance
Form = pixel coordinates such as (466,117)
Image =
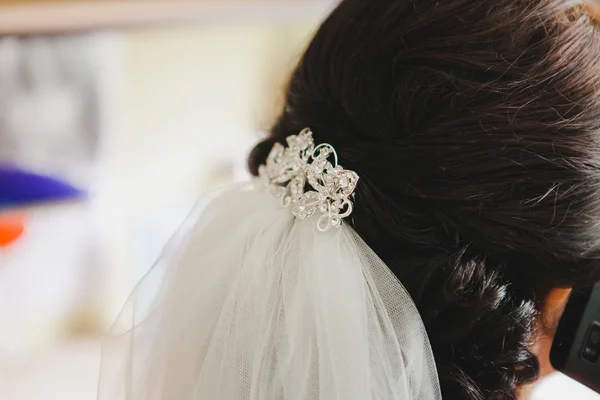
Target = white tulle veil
(256,303)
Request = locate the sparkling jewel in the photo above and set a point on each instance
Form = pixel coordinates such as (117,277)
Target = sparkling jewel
(287,170)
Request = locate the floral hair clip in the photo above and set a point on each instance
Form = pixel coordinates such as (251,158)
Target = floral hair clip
(289,171)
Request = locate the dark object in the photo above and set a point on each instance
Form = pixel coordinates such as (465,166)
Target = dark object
(576,347)
(591,347)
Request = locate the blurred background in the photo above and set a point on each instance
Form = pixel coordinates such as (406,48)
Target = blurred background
(114,117)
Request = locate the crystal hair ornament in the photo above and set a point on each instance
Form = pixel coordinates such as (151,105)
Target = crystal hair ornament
(304,178)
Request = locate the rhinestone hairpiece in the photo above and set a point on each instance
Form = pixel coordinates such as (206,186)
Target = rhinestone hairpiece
(290,171)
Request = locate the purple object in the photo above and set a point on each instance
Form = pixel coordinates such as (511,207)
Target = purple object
(18,187)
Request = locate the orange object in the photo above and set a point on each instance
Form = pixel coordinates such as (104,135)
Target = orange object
(11,229)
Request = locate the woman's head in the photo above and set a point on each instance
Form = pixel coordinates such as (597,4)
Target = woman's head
(475,128)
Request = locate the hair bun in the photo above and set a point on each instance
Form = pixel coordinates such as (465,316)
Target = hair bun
(475,128)
(480,326)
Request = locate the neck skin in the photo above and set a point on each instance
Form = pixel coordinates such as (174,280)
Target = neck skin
(593,8)
(552,309)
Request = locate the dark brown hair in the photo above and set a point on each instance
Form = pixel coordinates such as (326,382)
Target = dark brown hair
(475,128)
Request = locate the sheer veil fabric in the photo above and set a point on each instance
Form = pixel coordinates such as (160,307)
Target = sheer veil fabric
(256,304)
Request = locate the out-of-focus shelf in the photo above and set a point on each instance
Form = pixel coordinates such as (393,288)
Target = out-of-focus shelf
(33,17)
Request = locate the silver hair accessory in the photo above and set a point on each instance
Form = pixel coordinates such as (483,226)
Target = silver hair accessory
(330,187)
